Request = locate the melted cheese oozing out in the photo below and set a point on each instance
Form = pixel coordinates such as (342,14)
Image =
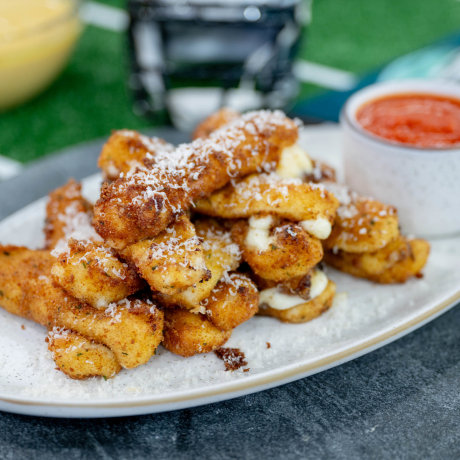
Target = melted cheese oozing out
(318,283)
(278,300)
(258,236)
(294,163)
(319,227)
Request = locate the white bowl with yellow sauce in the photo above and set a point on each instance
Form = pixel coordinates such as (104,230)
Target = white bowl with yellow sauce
(36,40)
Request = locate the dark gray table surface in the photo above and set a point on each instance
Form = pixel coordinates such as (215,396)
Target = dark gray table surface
(401,401)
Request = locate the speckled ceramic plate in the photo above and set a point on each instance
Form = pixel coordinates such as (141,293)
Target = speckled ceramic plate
(364,317)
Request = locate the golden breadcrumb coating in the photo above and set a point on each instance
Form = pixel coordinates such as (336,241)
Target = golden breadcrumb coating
(400,260)
(79,357)
(215,121)
(290,199)
(188,334)
(364,225)
(61,201)
(221,256)
(93,274)
(373,263)
(141,205)
(291,251)
(132,328)
(171,261)
(125,150)
(233,301)
(298,286)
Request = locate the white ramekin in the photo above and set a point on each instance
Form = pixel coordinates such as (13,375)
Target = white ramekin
(424,184)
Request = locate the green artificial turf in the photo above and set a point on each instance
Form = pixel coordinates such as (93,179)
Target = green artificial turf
(358,35)
(90,97)
(88,100)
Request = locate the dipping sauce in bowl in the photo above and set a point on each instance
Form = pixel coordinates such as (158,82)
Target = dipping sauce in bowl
(418,119)
(401,145)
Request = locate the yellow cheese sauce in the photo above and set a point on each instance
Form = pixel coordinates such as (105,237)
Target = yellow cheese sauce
(36,39)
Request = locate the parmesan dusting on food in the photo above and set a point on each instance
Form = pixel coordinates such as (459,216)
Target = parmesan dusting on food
(77,226)
(179,169)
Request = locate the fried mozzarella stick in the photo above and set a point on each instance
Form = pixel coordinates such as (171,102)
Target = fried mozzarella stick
(396,262)
(233,301)
(188,334)
(302,311)
(215,121)
(366,242)
(362,224)
(221,254)
(132,329)
(294,161)
(171,261)
(276,250)
(142,204)
(65,210)
(79,357)
(309,204)
(126,150)
(93,274)
(68,353)
(85,267)
(297,300)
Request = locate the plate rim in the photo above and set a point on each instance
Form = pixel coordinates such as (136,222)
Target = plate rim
(258,383)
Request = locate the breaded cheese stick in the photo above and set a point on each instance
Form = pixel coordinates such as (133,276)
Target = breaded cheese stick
(296,300)
(289,199)
(92,273)
(276,250)
(79,357)
(215,121)
(294,161)
(14,297)
(85,267)
(221,255)
(233,301)
(302,311)
(188,334)
(141,205)
(125,150)
(396,262)
(171,261)
(361,224)
(65,209)
(132,328)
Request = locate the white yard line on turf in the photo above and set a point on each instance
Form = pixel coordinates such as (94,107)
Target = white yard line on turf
(9,168)
(104,16)
(325,76)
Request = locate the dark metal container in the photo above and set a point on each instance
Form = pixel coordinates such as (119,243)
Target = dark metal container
(189,57)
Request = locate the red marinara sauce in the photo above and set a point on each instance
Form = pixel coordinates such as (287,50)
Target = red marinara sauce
(420,120)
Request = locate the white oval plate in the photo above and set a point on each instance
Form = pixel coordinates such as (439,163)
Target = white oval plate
(364,317)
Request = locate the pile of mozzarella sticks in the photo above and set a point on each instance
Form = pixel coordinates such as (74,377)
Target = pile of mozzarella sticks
(186,243)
